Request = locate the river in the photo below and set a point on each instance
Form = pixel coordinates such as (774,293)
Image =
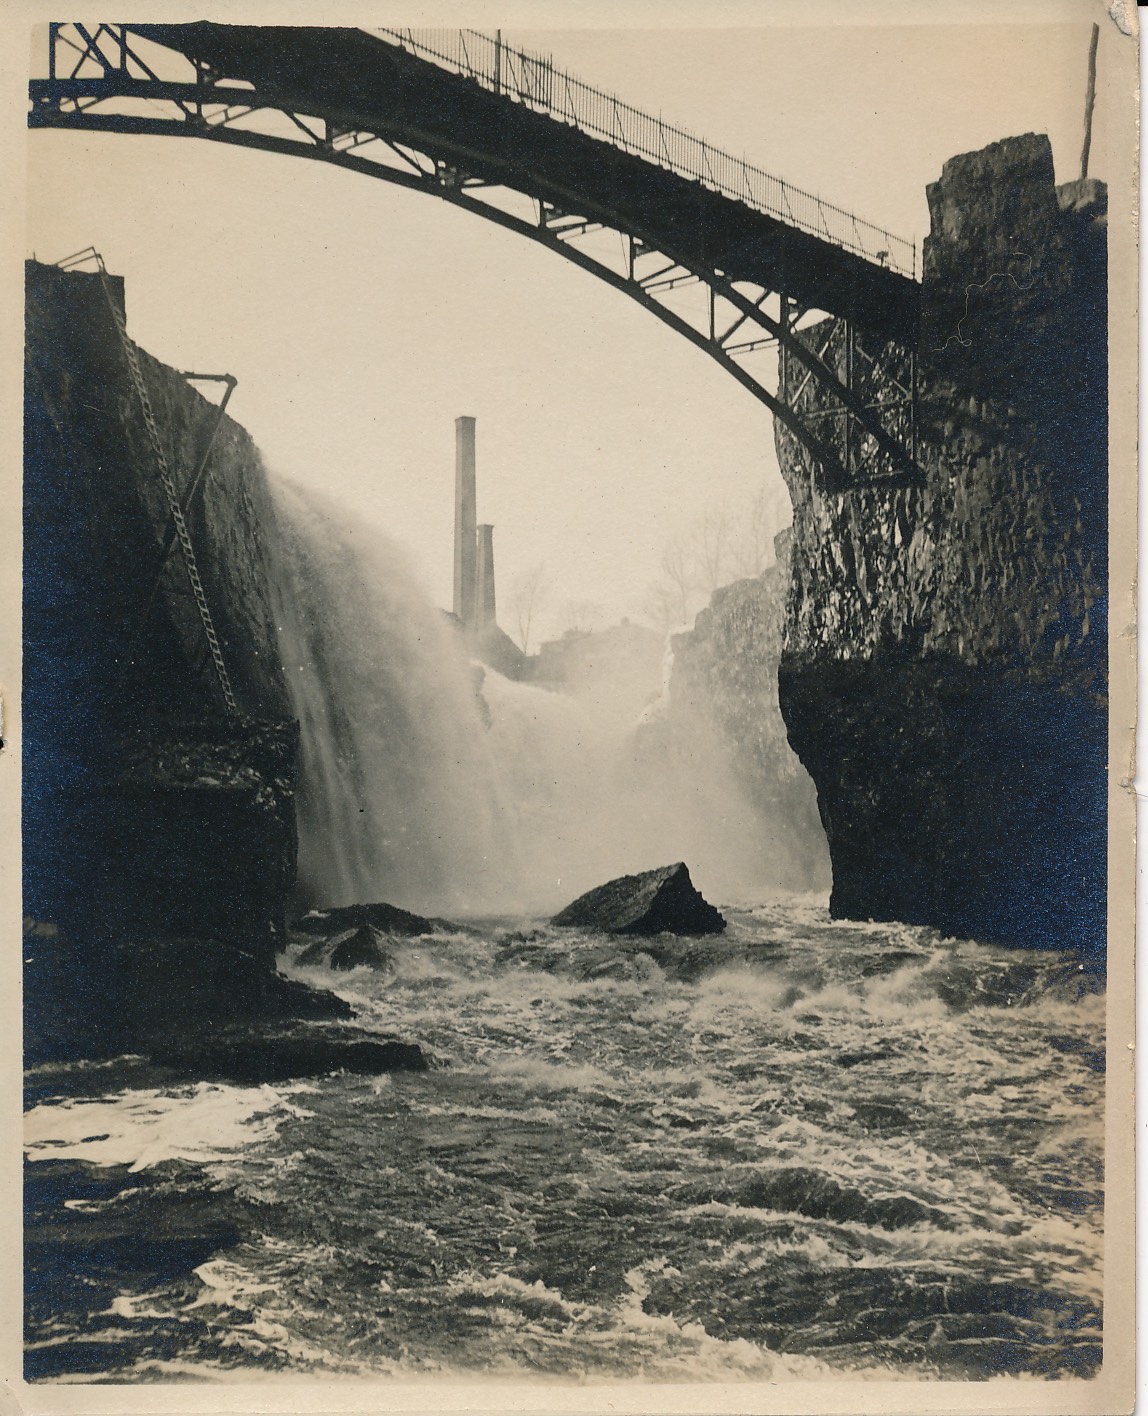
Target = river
(807,1148)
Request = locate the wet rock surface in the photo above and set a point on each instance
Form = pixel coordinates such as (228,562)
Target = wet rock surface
(138,995)
(651,903)
(284,1053)
(159,832)
(355,936)
(943,676)
(384,918)
(196,1010)
(352,949)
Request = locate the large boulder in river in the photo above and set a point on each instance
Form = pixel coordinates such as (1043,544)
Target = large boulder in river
(655,902)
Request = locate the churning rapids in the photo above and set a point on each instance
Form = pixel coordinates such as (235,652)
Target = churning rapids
(803,1149)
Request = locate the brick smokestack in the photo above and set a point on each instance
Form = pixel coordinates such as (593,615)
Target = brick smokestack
(465,518)
(484,586)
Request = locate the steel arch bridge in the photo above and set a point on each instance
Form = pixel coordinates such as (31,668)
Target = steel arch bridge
(648,208)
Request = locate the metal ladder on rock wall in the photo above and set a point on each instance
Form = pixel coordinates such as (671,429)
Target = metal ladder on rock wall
(174,505)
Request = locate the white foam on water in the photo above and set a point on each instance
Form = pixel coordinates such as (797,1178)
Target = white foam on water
(99,1206)
(141,1129)
(602,1338)
(238,1299)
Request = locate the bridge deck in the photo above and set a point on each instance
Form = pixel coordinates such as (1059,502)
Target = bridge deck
(377,85)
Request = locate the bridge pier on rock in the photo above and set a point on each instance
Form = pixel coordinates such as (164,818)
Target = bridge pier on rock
(944,670)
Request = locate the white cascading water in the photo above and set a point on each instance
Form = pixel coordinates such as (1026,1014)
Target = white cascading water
(396,797)
(436,785)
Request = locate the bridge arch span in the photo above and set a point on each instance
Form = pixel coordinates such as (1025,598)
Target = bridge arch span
(368,106)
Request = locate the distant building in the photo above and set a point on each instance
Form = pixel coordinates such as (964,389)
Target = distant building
(622,664)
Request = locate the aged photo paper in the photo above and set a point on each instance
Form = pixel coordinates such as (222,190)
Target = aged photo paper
(567,708)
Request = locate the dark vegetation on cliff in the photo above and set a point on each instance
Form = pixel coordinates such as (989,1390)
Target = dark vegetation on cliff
(944,672)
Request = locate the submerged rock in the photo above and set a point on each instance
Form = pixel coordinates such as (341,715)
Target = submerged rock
(654,902)
(171,984)
(352,949)
(384,918)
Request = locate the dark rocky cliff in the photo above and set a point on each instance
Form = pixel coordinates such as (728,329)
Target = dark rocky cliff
(944,671)
(155,825)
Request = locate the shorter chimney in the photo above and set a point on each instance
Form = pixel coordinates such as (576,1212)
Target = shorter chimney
(484,582)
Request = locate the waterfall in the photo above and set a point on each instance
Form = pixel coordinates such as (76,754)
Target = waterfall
(397,797)
(438,785)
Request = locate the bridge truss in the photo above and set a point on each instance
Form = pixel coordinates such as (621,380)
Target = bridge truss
(847,396)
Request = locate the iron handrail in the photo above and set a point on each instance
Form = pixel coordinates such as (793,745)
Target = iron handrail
(533,80)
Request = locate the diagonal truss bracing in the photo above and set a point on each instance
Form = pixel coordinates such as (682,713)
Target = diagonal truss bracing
(846,395)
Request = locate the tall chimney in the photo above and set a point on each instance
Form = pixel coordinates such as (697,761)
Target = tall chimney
(465,517)
(484,585)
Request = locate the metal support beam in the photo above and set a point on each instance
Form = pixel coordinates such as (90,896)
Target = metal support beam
(558,224)
(848,429)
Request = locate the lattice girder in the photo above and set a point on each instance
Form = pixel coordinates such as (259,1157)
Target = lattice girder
(866,434)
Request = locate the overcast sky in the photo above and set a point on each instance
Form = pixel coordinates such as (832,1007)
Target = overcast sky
(361,319)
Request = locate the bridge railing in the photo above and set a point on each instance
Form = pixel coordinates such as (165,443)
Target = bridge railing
(532,79)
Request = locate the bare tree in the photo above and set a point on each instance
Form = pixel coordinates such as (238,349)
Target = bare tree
(582,616)
(527,598)
(727,544)
(752,549)
(678,570)
(711,544)
(661,607)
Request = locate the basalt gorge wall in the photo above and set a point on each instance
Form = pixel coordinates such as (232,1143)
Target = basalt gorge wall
(158,832)
(943,675)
